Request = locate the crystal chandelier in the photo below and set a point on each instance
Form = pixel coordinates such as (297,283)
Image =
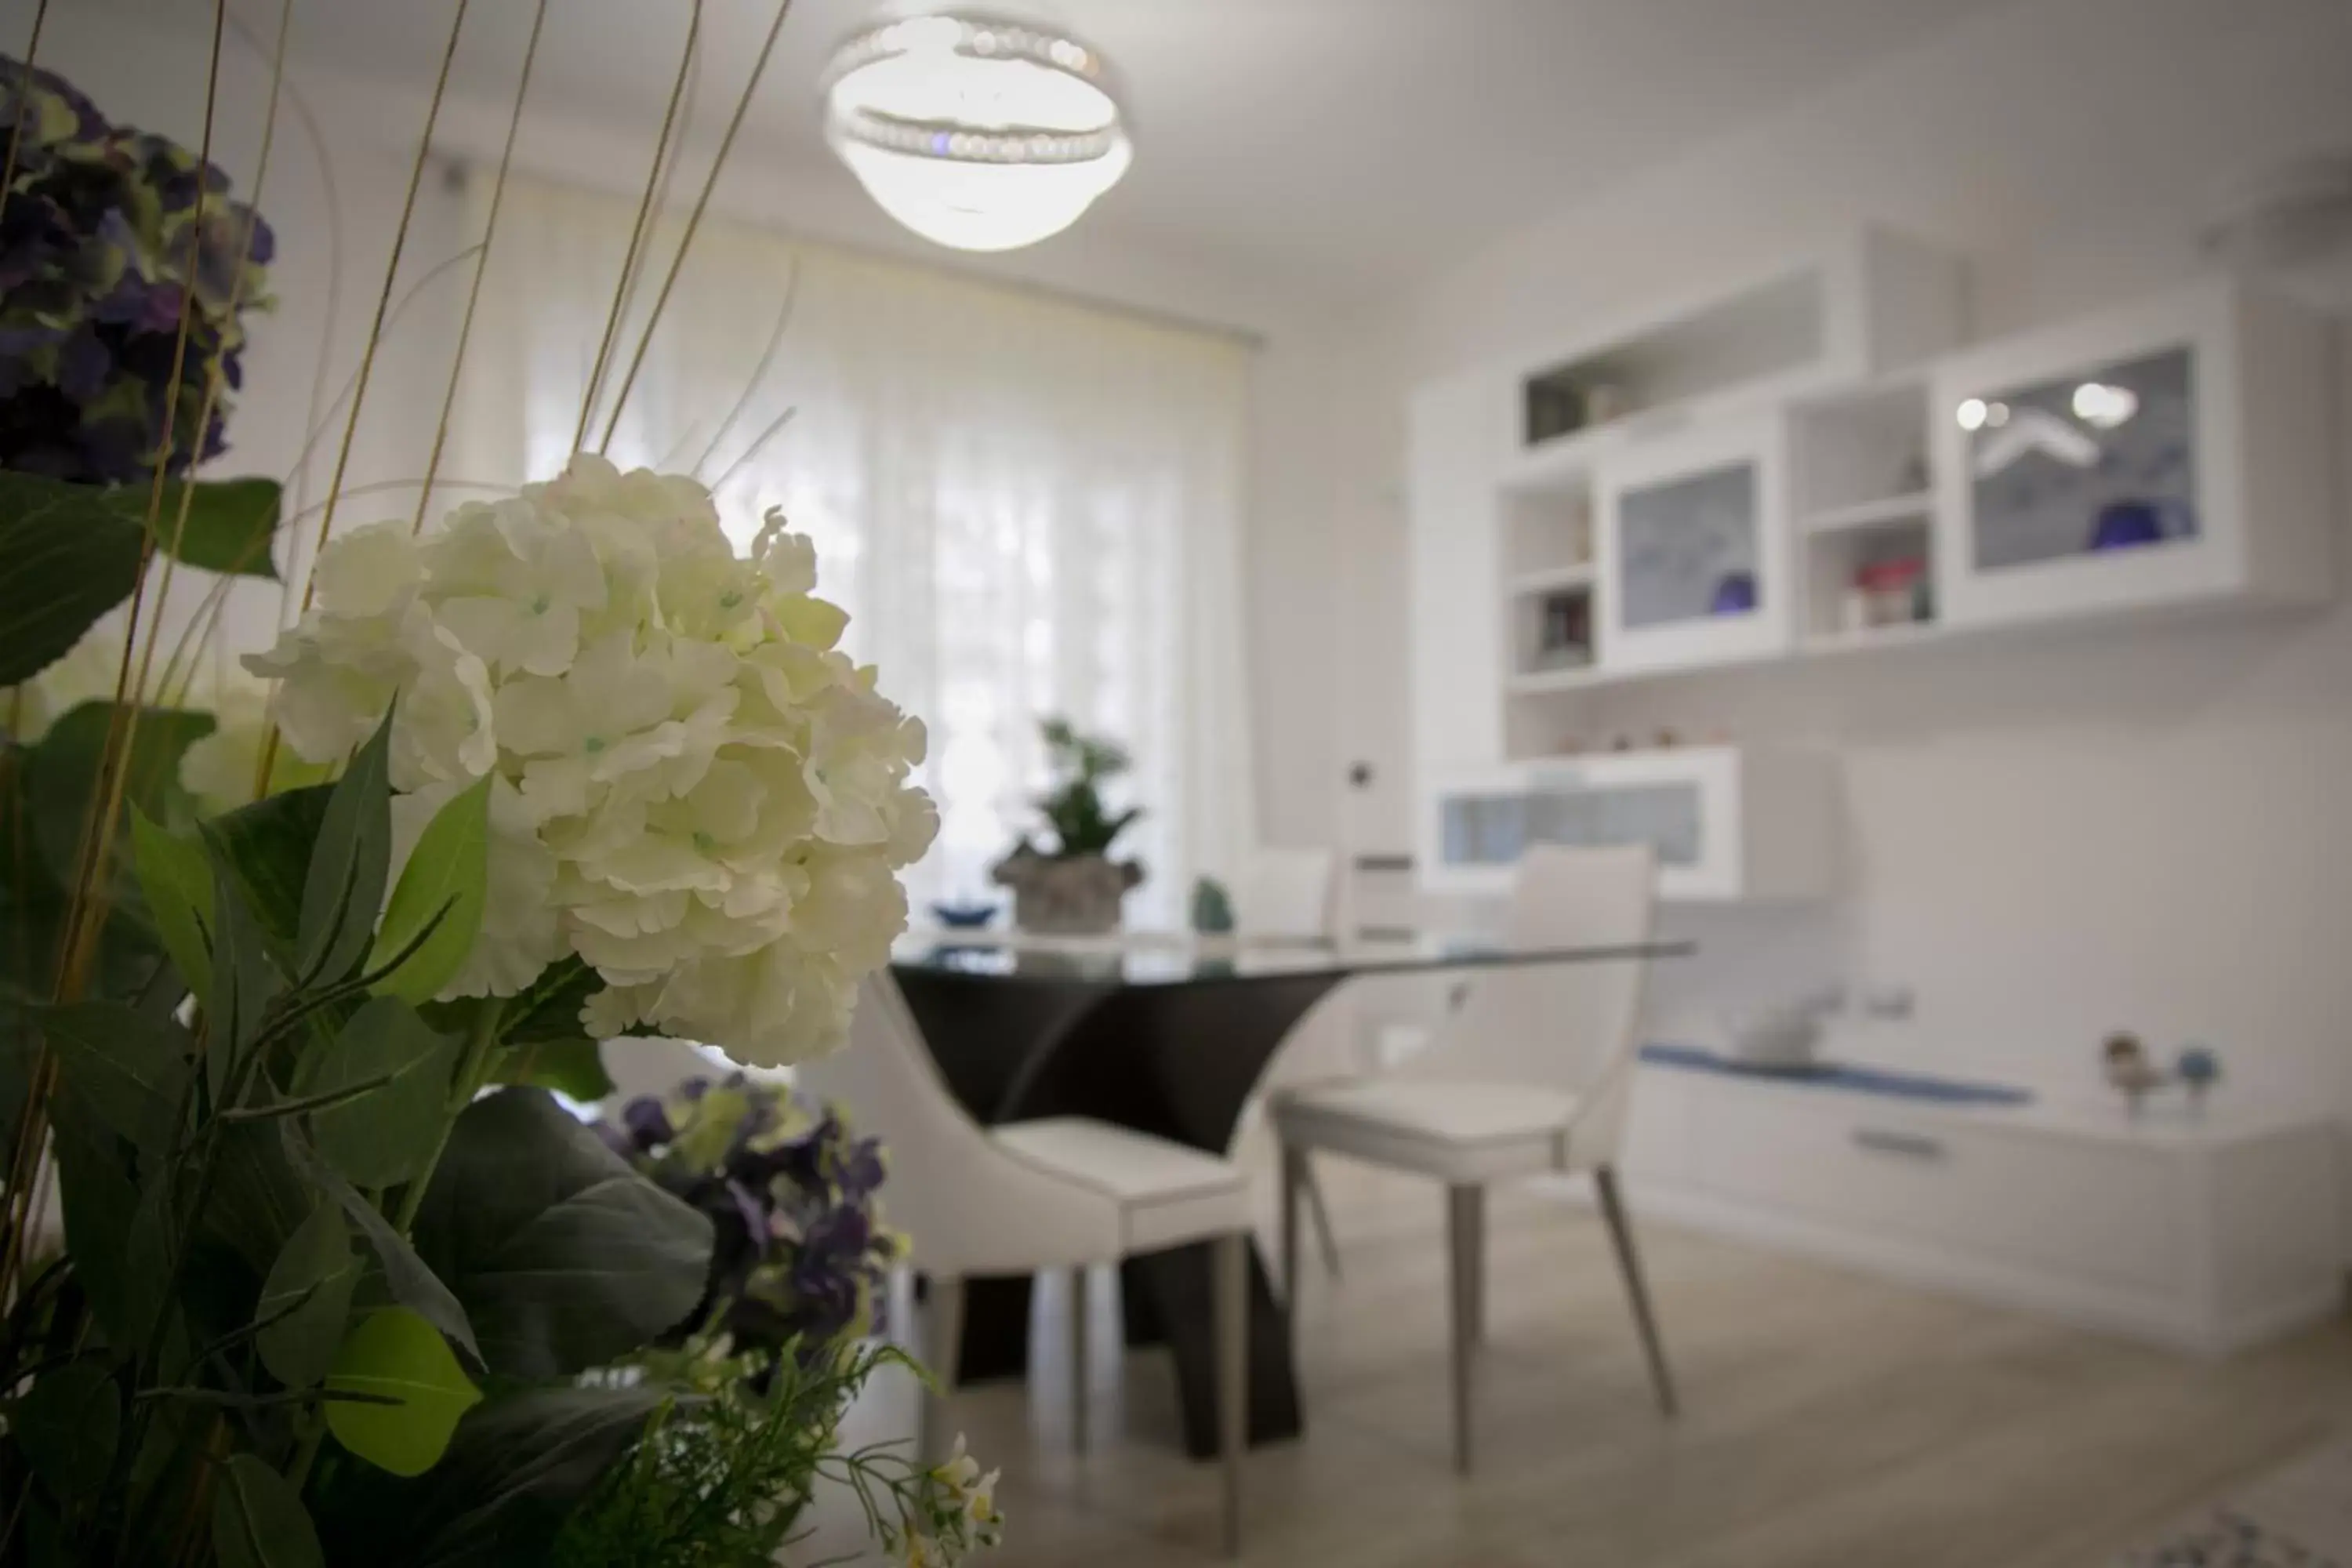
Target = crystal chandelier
(974,132)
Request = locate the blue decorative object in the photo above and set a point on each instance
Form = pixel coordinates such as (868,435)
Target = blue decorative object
(963,917)
(1735,594)
(2199,1067)
(2128,525)
(1858,1080)
(1213,908)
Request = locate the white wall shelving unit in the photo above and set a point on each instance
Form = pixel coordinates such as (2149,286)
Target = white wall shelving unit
(1879,522)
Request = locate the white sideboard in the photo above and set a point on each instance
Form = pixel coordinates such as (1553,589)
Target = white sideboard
(2206,1235)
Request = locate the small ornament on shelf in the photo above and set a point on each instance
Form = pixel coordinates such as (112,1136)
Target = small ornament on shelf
(2130,1071)
(2199,1068)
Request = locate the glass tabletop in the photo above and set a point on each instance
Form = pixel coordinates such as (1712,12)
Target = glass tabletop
(1182,958)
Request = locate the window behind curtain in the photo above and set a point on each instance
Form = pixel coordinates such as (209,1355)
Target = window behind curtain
(1027,506)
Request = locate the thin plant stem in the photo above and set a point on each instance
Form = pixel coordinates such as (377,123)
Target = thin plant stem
(694,219)
(473,1071)
(384,301)
(481,269)
(322,362)
(758,442)
(216,374)
(637,233)
(759,372)
(86,903)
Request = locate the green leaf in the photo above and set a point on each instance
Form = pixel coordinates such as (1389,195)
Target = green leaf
(130,1069)
(244,983)
(389,1133)
(269,843)
(573,1068)
(308,1293)
(66,1426)
(564,1256)
(148,1252)
(228,526)
(177,881)
(397,1354)
(546,1011)
(344,885)
(62,778)
(401,1275)
(446,880)
(57,578)
(98,1202)
(519,1466)
(259,1197)
(258,1520)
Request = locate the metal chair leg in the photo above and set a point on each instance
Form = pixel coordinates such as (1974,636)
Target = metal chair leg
(1465,1238)
(942,1345)
(1079,1358)
(1321,1215)
(1295,1174)
(1629,1263)
(1232,1282)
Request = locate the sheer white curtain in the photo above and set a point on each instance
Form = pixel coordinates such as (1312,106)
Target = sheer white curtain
(1028,505)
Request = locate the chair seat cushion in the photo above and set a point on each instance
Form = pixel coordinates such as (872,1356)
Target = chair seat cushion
(1464,1131)
(1167,1193)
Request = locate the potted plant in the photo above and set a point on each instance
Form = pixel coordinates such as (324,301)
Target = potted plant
(1074,889)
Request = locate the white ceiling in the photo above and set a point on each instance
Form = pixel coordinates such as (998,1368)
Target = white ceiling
(1351,146)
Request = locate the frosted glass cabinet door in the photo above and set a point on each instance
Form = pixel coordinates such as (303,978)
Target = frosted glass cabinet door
(2171,452)
(1692,548)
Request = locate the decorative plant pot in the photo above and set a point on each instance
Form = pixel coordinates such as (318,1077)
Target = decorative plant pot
(1074,896)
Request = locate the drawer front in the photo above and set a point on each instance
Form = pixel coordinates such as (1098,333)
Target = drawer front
(2098,1213)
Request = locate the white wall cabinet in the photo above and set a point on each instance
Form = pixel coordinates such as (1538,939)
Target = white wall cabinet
(2173,453)
(1727,823)
(1692,543)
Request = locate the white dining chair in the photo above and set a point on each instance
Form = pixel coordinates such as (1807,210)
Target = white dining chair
(1294,894)
(1532,1074)
(1025,1197)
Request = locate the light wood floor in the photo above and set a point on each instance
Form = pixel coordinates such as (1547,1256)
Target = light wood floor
(1828,1420)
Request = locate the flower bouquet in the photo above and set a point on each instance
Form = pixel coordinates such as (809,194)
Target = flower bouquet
(302,1259)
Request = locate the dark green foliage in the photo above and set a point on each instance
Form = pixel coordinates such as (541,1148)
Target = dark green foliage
(1074,808)
(724,1481)
(396,1071)
(517,1468)
(236,1196)
(259,1521)
(343,886)
(565,1258)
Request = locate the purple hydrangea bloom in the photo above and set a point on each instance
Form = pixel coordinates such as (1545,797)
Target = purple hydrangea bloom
(800,1254)
(101,249)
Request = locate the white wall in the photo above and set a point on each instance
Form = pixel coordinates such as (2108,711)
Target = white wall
(2139,829)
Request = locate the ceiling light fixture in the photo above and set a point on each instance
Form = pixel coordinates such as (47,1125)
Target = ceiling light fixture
(975,131)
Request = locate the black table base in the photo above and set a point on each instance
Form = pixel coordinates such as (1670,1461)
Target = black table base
(1178,1060)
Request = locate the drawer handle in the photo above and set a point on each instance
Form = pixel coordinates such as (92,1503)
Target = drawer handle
(1906,1145)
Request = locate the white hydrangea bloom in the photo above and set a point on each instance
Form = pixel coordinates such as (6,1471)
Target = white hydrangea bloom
(694,789)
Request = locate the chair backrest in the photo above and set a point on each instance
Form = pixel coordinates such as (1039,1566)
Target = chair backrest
(965,1203)
(1285,892)
(1570,1026)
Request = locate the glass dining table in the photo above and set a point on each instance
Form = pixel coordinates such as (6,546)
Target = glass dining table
(1169,1034)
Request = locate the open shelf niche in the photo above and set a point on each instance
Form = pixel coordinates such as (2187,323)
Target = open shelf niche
(1865,509)
(1547,579)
